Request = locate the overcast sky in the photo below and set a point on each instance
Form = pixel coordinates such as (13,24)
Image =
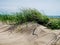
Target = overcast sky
(49,7)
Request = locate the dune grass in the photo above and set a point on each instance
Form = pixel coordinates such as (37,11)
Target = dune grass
(29,15)
(54,23)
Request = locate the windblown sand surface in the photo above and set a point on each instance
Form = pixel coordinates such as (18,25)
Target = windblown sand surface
(30,34)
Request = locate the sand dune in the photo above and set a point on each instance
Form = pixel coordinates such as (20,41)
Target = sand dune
(32,34)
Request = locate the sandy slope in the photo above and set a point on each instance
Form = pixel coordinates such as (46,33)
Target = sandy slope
(42,35)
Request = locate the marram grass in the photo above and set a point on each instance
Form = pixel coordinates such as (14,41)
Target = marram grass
(29,15)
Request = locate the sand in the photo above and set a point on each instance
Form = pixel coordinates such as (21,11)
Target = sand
(42,35)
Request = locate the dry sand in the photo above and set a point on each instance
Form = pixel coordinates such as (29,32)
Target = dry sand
(24,35)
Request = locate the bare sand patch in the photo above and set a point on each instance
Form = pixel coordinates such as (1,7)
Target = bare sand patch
(30,34)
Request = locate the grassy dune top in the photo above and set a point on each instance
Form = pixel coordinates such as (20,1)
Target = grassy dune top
(30,15)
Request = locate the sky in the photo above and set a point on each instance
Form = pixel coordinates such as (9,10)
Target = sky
(48,7)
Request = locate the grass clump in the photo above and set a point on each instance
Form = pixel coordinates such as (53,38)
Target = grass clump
(6,18)
(54,23)
(28,15)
